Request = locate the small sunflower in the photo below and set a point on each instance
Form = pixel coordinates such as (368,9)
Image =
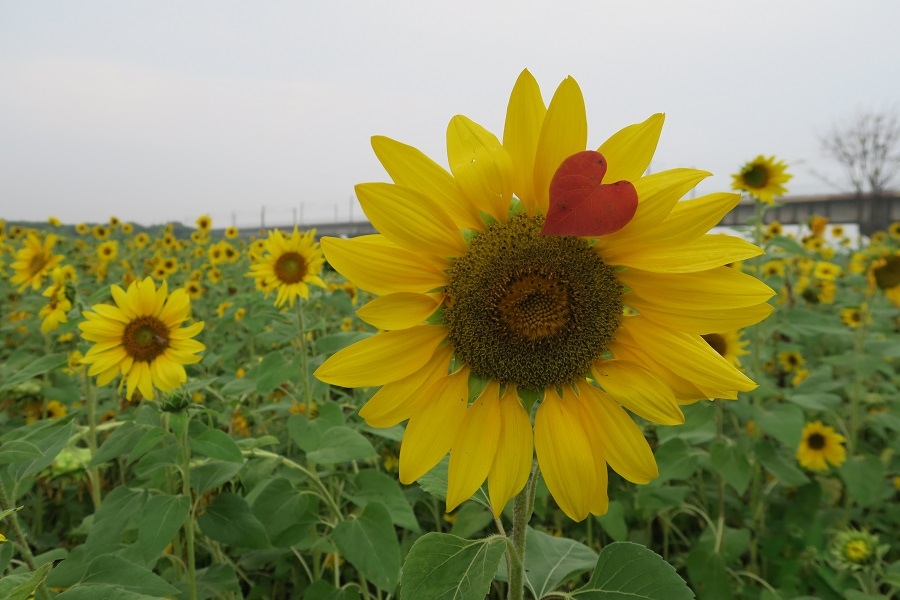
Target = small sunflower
(108,251)
(54,222)
(82,229)
(204,223)
(774,228)
(731,346)
(100,232)
(141,338)
(194,289)
(141,240)
(127,228)
(483,316)
(820,445)
(826,270)
(232,232)
(791,360)
(837,231)
(857,550)
(817,225)
(114,222)
(762,177)
(884,273)
(289,265)
(855,316)
(34,261)
(894,230)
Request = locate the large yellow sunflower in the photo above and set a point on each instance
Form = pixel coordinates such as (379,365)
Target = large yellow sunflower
(821,444)
(289,264)
(34,261)
(141,337)
(487,321)
(762,177)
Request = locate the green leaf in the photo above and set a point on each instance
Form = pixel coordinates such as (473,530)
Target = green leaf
(218,581)
(322,590)
(471,518)
(118,443)
(288,515)
(785,424)
(732,465)
(709,575)
(784,470)
(24,589)
(342,444)
(161,518)
(370,544)
(550,560)
(864,477)
(229,520)
(113,570)
(445,566)
(216,444)
(32,369)
(435,481)
(816,401)
(329,344)
(375,486)
(627,571)
(213,474)
(102,592)
(32,448)
(676,460)
(274,370)
(613,522)
(150,440)
(115,515)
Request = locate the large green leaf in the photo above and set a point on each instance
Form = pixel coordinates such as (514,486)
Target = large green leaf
(446,567)
(113,570)
(864,477)
(322,590)
(627,571)
(160,520)
(116,514)
(549,560)
(32,369)
(375,486)
(370,544)
(216,444)
(32,448)
(287,514)
(732,465)
(786,471)
(342,444)
(21,587)
(229,520)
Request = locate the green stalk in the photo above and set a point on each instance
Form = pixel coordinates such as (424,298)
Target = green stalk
(185,468)
(523,507)
(21,539)
(93,473)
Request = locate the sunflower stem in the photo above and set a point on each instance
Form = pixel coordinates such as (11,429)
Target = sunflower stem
(93,473)
(185,468)
(304,360)
(523,507)
(21,539)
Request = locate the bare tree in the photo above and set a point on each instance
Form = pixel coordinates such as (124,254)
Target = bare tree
(867,147)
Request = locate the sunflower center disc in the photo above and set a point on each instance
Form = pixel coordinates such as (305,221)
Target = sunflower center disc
(816,441)
(529,309)
(37,262)
(757,176)
(290,267)
(145,338)
(888,275)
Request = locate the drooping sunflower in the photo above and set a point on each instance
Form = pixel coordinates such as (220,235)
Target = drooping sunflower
(884,273)
(485,318)
(141,337)
(731,346)
(762,177)
(34,261)
(290,265)
(820,445)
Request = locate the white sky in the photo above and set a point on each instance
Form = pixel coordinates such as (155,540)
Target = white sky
(158,110)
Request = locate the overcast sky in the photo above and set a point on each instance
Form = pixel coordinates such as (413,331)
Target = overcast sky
(155,110)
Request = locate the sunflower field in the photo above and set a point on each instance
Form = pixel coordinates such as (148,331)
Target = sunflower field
(494,397)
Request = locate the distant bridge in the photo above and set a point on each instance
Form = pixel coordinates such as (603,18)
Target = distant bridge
(871,213)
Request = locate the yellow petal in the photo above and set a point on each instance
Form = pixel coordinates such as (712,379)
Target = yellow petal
(474,447)
(410,168)
(564,454)
(563,133)
(629,151)
(639,390)
(708,252)
(700,320)
(624,446)
(515,452)
(431,431)
(111,312)
(398,311)
(524,117)
(687,355)
(382,358)
(722,287)
(381,267)
(410,219)
(657,194)
(396,401)
(481,166)
(685,392)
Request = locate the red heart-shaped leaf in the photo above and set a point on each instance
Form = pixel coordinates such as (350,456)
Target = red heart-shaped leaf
(581,204)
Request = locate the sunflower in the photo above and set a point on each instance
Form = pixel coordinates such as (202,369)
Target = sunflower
(141,240)
(774,228)
(54,222)
(791,360)
(731,346)
(483,316)
(289,264)
(114,222)
(141,337)
(837,231)
(884,273)
(204,223)
(762,177)
(820,444)
(855,316)
(100,232)
(817,225)
(34,261)
(827,270)
(127,228)
(232,232)
(82,229)
(108,251)
(893,230)
(194,289)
